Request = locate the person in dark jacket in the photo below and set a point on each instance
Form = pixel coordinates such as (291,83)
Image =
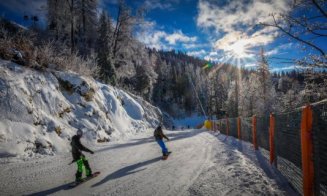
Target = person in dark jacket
(79,157)
(159,135)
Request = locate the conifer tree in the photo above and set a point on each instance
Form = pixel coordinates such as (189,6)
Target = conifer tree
(104,53)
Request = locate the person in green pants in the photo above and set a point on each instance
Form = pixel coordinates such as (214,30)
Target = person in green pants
(79,157)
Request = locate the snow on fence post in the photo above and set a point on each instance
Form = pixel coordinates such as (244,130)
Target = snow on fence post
(272,137)
(239,128)
(307,151)
(254,132)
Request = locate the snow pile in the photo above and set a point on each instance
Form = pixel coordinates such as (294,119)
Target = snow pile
(40,111)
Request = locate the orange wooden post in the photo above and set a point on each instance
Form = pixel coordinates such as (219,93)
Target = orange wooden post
(239,128)
(307,151)
(254,132)
(272,138)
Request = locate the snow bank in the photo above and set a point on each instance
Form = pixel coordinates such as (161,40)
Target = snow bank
(41,111)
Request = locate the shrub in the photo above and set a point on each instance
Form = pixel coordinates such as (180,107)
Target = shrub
(44,54)
(66,110)
(89,95)
(58,130)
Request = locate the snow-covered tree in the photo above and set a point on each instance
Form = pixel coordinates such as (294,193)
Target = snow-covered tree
(73,21)
(86,19)
(104,52)
(123,32)
(266,90)
(230,104)
(58,18)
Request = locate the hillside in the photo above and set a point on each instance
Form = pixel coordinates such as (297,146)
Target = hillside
(41,110)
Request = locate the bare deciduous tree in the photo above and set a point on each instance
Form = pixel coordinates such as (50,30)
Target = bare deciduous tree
(306,23)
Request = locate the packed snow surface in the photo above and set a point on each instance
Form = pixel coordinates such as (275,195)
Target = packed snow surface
(41,111)
(201,163)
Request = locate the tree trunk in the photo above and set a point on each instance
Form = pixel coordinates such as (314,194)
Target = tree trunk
(116,33)
(72,37)
(83,17)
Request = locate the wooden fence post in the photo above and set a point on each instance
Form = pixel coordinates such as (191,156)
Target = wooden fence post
(272,137)
(307,151)
(254,132)
(227,126)
(239,128)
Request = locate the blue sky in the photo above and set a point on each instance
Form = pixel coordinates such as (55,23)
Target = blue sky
(217,30)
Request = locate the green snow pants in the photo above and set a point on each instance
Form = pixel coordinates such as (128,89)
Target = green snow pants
(82,162)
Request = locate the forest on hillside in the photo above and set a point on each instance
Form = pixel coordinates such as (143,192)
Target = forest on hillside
(103,45)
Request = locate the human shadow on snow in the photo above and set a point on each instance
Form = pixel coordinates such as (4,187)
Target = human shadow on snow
(131,169)
(117,174)
(53,190)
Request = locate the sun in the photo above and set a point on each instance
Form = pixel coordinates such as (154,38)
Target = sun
(239,49)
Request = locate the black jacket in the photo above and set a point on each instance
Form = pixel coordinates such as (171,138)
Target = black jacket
(158,134)
(77,148)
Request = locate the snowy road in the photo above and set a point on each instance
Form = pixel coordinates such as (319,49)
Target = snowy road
(201,164)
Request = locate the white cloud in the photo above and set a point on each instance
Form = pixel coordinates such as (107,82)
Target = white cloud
(195,45)
(179,37)
(213,59)
(153,39)
(159,4)
(248,65)
(196,53)
(213,53)
(156,4)
(288,68)
(159,39)
(272,52)
(237,40)
(236,13)
(213,56)
(278,49)
(236,19)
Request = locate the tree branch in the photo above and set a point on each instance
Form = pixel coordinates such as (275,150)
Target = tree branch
(319,8)
(293,36)
(305,26)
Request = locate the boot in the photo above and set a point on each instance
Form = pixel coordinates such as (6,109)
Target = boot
(88,170)
(78,177)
